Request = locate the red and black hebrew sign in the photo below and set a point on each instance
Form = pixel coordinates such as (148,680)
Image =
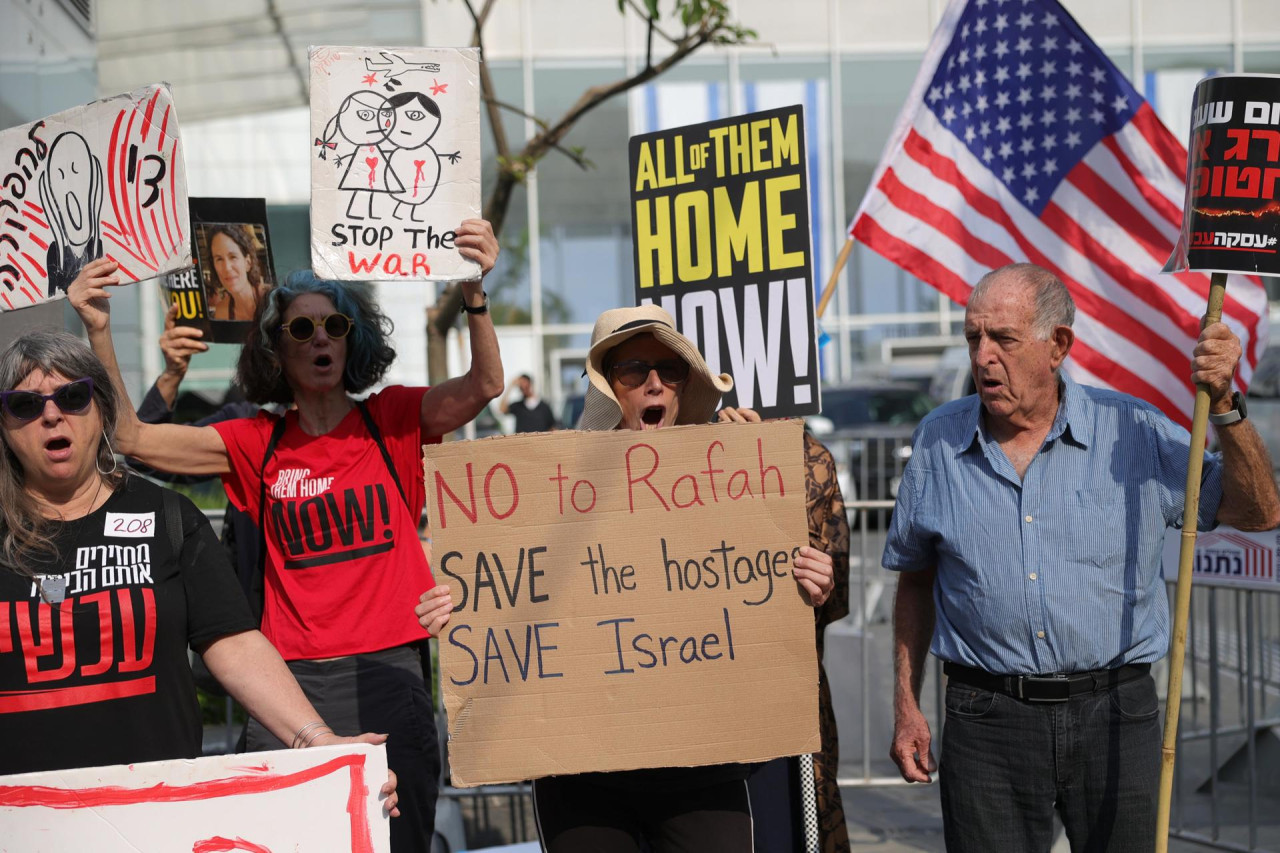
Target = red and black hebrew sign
(1231,220)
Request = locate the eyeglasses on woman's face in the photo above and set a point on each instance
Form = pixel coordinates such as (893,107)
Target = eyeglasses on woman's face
(633,373)
(72,398)
(303,328)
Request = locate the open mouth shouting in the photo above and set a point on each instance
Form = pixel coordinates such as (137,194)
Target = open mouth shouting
(653,416)
(323,361)
(58,448)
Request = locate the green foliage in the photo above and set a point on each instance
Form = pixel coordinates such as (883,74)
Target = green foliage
(694,14)
(213,710)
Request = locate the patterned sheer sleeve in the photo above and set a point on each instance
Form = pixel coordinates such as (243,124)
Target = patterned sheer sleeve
(828,525)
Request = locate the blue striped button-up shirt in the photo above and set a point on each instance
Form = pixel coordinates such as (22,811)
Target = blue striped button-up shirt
(1059,571)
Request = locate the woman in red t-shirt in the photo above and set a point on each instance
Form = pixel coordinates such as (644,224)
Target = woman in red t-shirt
(337,488)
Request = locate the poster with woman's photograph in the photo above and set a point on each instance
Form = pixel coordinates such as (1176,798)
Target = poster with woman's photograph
(233,270)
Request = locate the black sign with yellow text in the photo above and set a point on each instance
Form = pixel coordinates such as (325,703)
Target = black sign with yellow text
(720,225)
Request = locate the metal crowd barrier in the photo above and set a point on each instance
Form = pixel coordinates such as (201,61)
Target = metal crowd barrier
(1227,777)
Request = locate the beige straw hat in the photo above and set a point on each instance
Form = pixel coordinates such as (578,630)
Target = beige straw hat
(700,394)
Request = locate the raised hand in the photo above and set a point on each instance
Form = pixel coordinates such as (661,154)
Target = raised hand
(88,293)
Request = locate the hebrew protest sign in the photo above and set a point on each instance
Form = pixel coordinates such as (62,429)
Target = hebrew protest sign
(233,271)
(623,599)
(395,161)
(325,798)
(1231,217)
(106,178)
(1229,557)
(720,225)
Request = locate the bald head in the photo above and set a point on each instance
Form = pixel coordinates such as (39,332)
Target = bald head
(1053,303)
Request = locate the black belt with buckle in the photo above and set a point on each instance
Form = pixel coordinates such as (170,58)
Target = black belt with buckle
(1046,688)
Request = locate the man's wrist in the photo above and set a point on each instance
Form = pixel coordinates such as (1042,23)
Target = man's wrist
(1233,411)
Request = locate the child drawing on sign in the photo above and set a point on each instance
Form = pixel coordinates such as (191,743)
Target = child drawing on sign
(71,192)
(365,119)
(417,118)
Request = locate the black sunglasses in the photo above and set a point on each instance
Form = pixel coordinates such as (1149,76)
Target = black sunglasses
(635,373)
(71,399)
(302,328)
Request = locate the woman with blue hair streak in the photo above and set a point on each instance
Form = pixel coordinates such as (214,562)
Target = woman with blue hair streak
(336,486)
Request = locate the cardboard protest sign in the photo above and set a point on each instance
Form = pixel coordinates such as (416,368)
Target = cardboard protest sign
(325,798)
(106,178)
(1229,557)
(231,249)
(720,225)
(623,599)
(1231,217)
(395,161)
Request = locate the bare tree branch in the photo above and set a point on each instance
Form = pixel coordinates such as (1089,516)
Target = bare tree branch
(575,156)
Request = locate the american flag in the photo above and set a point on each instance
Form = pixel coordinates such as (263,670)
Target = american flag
(1021,141)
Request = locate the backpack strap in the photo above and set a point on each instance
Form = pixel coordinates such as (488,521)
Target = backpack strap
(277,432)
(382,448)
(172,511)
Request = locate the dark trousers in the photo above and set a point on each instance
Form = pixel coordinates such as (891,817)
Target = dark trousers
(1006,764)
(583,816)
(384,693)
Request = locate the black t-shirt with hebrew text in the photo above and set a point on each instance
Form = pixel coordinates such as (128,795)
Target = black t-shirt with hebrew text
(102,677)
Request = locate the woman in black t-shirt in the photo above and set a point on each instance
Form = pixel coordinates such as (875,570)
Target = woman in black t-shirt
(104,581)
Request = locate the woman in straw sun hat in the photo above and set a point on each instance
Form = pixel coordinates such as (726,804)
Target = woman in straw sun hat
(645,375)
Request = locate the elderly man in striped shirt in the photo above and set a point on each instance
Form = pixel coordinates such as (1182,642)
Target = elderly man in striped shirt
(1029,530)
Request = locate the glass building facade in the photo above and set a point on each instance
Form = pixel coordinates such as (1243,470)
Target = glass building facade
(566,238)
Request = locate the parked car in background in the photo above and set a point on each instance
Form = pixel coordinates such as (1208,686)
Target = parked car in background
(867,426)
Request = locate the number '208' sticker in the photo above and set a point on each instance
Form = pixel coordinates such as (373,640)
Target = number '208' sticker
(131,525)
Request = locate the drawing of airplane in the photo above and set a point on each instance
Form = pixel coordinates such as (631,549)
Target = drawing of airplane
(394,67)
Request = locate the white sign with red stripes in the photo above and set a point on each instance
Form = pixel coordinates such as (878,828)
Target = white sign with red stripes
(1229,557)
(326,798)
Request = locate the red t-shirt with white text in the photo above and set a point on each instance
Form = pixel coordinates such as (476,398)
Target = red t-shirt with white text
(344,564)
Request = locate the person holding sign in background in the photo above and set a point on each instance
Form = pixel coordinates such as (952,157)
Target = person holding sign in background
(130,572)
(646,376)
(1028,532)
(337,488)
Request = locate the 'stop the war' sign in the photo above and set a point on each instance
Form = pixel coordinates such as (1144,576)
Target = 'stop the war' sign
(720,225)
(623,599)
(107,179)
(395,164)
(1231,217)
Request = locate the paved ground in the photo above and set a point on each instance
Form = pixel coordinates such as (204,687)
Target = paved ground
(907,819)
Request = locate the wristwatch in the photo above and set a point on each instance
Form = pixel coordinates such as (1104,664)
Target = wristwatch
(1238,412)
(483,308)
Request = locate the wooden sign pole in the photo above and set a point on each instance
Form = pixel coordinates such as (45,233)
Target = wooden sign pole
(830,289)
(1182,600)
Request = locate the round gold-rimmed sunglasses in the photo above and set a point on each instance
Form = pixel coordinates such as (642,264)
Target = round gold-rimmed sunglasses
(303,328)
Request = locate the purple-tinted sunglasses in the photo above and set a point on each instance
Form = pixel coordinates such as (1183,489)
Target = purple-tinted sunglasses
(71,399)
